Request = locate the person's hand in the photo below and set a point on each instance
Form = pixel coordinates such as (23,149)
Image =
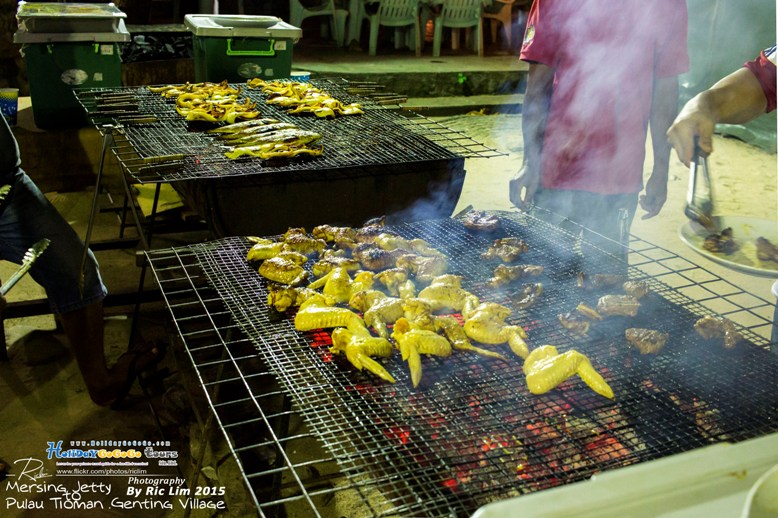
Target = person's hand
(522,187)
(655,195)
(690,124)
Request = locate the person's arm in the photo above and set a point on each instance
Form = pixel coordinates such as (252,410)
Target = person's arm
(663,109)
(735,99)
(535,106)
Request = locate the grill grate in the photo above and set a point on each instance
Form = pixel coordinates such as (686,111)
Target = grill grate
(171,149)
(471,433)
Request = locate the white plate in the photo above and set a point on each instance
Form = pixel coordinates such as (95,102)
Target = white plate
(745,231)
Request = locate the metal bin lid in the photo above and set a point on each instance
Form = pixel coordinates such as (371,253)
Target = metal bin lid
(232,26)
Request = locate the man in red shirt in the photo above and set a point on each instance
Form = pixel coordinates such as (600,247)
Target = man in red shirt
(600,72)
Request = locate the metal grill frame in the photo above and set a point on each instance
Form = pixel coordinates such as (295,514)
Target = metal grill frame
(168,150)
(407,491)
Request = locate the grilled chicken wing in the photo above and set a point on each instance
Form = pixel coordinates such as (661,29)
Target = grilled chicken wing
(282,270)
(296,239)
(315,313)
(329,260)
(458,338)
(413,342)
(264,249)
(382,312)
(546,369)
(374,258)
(486,324)
(359,345)
(443,297)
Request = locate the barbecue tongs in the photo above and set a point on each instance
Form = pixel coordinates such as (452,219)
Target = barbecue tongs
(699,200)
(29,258)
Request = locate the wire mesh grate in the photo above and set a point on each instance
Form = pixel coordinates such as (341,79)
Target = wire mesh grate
(167,148)
(472,433)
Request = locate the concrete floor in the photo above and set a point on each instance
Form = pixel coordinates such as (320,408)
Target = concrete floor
(47,401)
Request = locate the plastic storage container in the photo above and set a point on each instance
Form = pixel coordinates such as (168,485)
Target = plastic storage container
(237,48)
(57,62)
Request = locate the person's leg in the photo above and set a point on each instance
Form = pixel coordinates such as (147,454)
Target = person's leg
(605,217)
(30,217)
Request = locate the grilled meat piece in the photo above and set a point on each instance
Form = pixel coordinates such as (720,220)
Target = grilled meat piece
(528,295)
(575,323)
(481,221)
(721,243)
(647,341)
(413,342)
(623,305)
(506,274)
(458,338)
(334,234)
(599,280)
(588,311)
(637,289)
(606,280)
(298,240)
(373,258)
(507,249)
(330,260)
(765,250)
(715,328)
(424,268)
(316,313)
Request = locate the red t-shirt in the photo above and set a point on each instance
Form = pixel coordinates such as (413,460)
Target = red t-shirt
(605,55)
(763,68)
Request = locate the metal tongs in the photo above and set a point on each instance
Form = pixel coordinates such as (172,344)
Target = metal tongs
(27,261)
(699,200)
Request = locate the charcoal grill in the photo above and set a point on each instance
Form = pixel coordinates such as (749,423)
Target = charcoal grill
(382,162)
(471,433)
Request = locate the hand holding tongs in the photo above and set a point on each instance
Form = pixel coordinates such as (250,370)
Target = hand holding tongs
(29,258)
(699,202)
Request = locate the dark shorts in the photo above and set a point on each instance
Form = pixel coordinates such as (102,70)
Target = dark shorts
(29,217)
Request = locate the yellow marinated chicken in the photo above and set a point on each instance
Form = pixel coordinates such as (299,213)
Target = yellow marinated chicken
(263,249)
(359,345)
(374,258)
(315,313)
(393,242)
(364,299)
(283,270)
(486,324)
(282,297)
(419,313)
(329,260)
(413,342)
(546,369)
(458,339)
(296,239)
(392,279)
(383,312)
(338,285)
(449,297)
(337,235)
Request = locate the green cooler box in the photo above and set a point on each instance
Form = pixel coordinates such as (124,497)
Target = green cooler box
(80,49)
(238,47)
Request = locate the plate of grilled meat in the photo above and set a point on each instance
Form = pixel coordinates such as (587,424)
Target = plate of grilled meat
(741,243)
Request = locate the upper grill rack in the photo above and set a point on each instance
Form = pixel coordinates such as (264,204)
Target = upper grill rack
(472,434)
(171,149)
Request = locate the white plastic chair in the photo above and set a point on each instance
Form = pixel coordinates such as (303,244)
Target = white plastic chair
(500,13)
(298,12)
(459,14)
(397,14)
